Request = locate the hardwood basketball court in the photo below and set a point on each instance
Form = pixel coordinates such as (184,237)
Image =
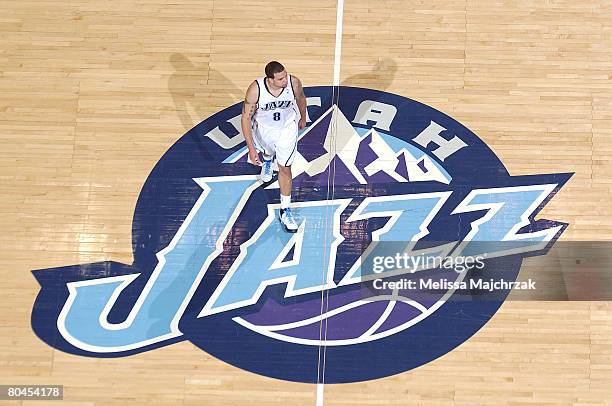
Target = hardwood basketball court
(94,93)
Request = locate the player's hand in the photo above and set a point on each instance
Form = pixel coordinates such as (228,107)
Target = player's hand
(302,123)
(254,156)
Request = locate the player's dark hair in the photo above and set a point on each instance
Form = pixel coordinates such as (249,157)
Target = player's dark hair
(272,68)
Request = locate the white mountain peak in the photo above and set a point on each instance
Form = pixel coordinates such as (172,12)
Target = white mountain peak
(341,140)
(386,161)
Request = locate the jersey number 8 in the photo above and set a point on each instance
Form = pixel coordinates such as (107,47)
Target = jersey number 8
(276,116)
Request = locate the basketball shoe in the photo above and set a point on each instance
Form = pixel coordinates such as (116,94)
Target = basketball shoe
(288,221)
(266,171)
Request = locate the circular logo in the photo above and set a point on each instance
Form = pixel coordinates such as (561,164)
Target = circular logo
(382,186)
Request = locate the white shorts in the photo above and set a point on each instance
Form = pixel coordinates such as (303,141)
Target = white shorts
(281,142)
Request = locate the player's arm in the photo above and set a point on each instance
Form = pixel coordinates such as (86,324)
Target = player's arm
(300,99)
(248,109)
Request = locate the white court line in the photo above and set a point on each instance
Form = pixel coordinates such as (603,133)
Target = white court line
(338,51)
(336,82)
(320,394)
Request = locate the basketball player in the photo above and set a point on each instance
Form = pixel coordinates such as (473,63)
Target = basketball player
(270,124)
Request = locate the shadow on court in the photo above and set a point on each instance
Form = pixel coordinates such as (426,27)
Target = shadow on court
(199,91)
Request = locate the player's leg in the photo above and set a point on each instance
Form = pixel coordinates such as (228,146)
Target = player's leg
(286,215)
(264,142)
(285,153)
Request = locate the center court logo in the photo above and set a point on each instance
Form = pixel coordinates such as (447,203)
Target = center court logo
(213,265)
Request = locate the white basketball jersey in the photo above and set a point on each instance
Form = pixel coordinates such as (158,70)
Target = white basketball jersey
(275,112)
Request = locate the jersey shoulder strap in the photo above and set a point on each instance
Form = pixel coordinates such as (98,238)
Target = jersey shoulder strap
(258,90)
(290,85)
